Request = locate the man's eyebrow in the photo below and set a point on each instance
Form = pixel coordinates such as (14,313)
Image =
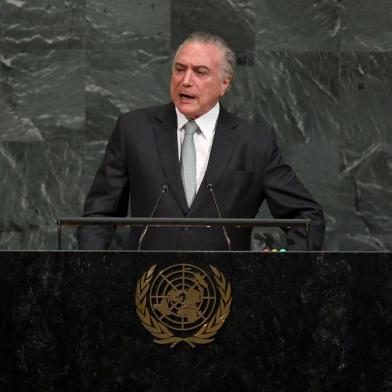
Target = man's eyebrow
(201,67)
(179,64)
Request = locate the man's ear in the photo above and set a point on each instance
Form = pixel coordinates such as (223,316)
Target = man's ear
(226,82)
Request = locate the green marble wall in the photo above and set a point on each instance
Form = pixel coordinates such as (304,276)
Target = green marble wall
(319,71)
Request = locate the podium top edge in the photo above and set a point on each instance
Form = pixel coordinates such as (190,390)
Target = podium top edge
(78,221)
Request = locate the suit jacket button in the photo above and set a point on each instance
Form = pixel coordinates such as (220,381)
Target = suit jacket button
(186,228)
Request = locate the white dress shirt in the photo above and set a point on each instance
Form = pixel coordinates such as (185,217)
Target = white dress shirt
(203,139)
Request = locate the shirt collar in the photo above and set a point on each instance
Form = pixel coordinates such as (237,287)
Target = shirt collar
(206,122)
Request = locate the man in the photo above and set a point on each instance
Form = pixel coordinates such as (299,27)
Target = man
(183,147)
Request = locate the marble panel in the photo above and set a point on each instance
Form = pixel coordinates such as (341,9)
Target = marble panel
(41,239)
(366,139)
(298,95)
(129,25)
(39,24)
(118,81)
(40,181)
(366,186)
(62,99)
(44,93)
(299,26)
(366,25)
(365,98)
(232,20)
(13,127)
(10,239)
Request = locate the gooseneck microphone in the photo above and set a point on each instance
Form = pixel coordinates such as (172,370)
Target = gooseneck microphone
(211,189)
(164,189)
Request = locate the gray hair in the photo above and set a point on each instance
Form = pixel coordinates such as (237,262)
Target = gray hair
(228,54)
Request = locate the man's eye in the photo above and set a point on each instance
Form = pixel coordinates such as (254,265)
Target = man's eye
(201,72)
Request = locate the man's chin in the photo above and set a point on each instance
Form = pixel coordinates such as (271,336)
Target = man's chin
(188,110)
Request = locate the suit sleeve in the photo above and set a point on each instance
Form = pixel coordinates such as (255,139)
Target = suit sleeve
(109,194)
(287,198)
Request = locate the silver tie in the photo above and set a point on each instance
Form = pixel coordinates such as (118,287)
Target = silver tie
(188,162)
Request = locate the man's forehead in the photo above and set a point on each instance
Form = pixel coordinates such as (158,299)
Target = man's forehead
(205,52)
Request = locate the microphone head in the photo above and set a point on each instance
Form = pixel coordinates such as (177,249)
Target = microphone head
(165,188)
(210,187)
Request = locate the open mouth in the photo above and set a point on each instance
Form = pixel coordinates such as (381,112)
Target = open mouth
(186,97)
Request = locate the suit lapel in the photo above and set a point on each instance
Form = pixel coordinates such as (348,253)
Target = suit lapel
(166,139)
(223,145)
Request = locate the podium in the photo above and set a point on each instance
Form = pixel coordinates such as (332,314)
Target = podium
(147,223)
(297,322)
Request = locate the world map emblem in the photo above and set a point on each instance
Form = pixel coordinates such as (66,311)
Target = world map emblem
(183,303)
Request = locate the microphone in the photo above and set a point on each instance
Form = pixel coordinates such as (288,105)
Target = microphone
(164,189)
(211,189)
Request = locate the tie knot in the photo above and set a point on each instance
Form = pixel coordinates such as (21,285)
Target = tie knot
(190,127)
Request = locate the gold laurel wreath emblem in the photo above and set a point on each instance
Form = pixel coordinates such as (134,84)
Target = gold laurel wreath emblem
(163,334)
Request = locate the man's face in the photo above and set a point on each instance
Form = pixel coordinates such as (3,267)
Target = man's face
(196,84)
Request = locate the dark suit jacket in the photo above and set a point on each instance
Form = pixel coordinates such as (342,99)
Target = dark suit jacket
(245,168)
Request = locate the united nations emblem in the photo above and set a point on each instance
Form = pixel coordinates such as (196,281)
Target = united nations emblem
(180,304)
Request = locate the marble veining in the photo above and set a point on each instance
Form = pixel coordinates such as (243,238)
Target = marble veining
(318,72)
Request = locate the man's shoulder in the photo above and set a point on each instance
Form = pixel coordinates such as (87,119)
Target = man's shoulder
(248,127)
(147,112)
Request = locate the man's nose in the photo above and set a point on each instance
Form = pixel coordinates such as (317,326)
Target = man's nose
(187,80)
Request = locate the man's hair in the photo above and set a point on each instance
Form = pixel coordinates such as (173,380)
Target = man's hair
(228,54)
